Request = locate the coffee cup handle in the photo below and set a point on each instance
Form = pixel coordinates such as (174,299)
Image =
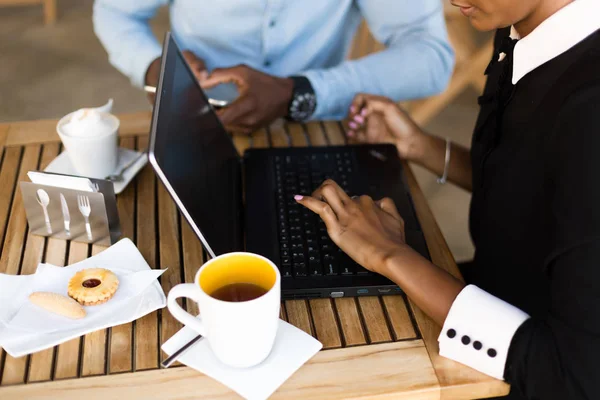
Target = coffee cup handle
(190,291)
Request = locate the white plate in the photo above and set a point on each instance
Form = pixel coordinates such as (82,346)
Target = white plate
(62,165)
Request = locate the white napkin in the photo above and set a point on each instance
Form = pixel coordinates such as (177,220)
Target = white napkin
(67,182)
(25,328)
(293,347)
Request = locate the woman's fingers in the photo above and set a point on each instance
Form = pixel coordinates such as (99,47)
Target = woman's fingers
(387,205)
(320,208)
(332,194)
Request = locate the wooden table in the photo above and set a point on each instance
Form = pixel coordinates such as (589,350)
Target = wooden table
(374,347)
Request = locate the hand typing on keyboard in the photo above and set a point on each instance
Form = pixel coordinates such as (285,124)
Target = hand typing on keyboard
(369,231)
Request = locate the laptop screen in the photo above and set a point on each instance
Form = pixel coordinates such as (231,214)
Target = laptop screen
(195,157)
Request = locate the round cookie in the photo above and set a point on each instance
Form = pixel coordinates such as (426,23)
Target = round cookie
(94,286)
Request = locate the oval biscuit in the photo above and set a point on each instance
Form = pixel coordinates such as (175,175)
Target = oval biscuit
(58,304)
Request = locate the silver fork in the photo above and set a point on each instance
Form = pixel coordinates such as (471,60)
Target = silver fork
(83,202)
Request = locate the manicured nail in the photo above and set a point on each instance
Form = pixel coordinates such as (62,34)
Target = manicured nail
(350,133)
(359,119)
(352,125)
(363,112)
(353,109)
(298,197)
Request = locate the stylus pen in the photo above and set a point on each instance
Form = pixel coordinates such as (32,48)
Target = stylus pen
(150,89)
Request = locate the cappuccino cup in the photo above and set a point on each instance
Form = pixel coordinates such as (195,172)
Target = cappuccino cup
(90,137)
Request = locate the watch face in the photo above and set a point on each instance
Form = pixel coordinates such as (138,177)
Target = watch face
(303,106)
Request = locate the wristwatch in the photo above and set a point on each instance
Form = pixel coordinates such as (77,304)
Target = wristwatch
(303,102)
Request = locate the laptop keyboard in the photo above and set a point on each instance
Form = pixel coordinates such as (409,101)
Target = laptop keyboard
(305,247)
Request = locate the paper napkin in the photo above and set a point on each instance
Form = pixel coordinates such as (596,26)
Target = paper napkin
(25,328)
(293,347)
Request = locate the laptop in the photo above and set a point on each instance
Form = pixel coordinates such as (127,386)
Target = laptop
(245,202)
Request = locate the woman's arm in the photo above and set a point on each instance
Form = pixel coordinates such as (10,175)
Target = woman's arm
(430,153)
(375,119)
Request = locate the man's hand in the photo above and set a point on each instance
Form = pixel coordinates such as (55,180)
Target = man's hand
(263,98)
(196,65)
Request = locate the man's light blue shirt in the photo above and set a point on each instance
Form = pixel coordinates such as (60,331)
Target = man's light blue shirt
(293,37)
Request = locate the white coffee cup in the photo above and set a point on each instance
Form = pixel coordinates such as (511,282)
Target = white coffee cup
(240,334)
(94,151)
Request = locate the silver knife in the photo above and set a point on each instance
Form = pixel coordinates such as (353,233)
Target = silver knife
(66,215)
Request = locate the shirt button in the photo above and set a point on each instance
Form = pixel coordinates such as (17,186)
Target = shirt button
(465,340)
(272,23)
(267,63)
(492,353)
(451,333)
(477,345)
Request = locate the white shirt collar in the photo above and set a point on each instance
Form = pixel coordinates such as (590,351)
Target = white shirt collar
(557,34)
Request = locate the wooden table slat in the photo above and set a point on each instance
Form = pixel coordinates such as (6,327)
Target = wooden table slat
(350,322)
(169,255)
(297,136)
(93,361)
(316,134)
(374,319)
(297,314)
(146,337)
(193,259)
(21,254)
(67,355)
(41,363)
(260,139)
(334,133)
(399,373)
(397,311)
(120,337)
(8,177)
(278,135)
(324,321)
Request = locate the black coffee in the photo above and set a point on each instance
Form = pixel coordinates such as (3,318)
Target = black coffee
(237,292)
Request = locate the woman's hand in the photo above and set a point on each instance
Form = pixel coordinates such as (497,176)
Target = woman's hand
(370,232)
(376,119)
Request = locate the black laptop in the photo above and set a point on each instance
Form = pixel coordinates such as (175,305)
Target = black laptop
(199,165)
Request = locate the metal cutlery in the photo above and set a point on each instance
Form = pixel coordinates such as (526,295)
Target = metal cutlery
(173,357)
(44,200)
(66,215)
(118,177)
(83,203)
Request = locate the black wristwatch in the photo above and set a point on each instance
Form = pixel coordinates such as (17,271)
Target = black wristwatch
(303,102)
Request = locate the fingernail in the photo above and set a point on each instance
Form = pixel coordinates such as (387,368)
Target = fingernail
(350,133)
(298,197)
(353,109)
(359,119)
(352,125)
(363,112)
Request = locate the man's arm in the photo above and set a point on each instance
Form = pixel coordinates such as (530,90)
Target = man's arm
(417,61)
(122,27)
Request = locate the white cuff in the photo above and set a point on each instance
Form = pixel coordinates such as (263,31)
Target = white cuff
(479,329)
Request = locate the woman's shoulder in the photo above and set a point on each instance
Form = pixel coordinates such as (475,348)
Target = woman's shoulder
(584,68)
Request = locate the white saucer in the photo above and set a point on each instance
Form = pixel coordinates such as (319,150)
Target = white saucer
(62,165)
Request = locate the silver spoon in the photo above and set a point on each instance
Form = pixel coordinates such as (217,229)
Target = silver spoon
(118,177)
(44,200)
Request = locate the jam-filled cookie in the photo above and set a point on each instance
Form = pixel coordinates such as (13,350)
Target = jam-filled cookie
(94,286)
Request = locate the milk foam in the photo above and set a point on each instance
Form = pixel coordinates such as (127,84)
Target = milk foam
(88,122)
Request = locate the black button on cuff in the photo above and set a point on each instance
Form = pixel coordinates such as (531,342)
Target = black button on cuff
(477,345)
(492,353)
(465,340)
(451,333)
